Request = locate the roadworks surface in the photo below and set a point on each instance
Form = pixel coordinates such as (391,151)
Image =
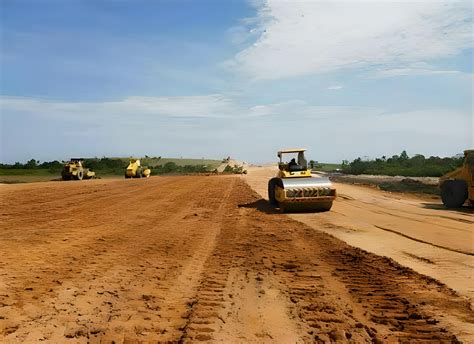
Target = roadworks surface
(186,259)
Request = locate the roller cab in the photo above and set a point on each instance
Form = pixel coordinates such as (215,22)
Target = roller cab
(295,189)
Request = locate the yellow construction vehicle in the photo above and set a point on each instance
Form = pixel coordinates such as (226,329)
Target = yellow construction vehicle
(458,186)
(135,170)
(294,188)
(74,169)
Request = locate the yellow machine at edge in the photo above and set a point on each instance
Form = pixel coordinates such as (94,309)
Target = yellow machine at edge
(458,186)
(135,170)
(295,189)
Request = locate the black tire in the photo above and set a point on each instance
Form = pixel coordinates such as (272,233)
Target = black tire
(139,173)
(454,193)
(271,192)
(79,175)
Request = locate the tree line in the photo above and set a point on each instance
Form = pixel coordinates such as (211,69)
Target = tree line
(403,165)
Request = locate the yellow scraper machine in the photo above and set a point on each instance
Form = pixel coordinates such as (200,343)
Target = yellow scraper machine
(295,189)
(136,170)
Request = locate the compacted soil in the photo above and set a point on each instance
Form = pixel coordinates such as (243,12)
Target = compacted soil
(417,231)
(181,259)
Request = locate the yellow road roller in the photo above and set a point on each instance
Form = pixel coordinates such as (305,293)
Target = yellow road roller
(295,189)
(135,170)
(458,186)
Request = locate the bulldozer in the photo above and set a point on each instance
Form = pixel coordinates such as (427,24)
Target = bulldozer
(457,186)
(135,170)
(295,189)
(74,170)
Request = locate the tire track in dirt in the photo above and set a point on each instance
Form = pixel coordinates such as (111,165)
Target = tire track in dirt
(418,218)
(233,303)
(333,292)
(424,242)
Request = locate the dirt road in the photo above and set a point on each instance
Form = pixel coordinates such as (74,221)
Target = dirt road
(195,259)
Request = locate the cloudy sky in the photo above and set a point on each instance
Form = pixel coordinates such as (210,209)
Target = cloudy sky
(241,78)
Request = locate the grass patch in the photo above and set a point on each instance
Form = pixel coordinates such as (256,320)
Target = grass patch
(409,185)
(29,172)
(27,179)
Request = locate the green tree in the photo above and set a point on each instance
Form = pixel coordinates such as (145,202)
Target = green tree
(358,166)
(404,156)
(31,164)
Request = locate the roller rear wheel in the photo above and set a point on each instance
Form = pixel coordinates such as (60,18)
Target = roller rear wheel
(454,193)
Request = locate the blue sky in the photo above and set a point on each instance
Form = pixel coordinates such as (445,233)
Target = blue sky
(239,78)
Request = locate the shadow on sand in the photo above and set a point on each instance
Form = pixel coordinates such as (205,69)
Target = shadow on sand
(261,205)
(437,206)
(265,207)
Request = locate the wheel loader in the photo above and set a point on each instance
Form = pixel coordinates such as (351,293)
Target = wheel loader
(295,189)
(74,170)
(135,170)
(457,186)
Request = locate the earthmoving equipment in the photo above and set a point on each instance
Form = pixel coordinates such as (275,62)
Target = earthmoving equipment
(135,170)
(458,186)
(294,188)
(74,169)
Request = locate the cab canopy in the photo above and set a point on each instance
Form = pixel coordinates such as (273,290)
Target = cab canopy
(294,150)
(301,159)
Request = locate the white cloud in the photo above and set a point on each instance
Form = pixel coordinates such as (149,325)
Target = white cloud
(388,73)
(335,87)
(411,70)
(213,106)
(308,37)
(239,34)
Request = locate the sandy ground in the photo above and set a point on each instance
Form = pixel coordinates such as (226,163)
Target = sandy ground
(417,232)
(181,259)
